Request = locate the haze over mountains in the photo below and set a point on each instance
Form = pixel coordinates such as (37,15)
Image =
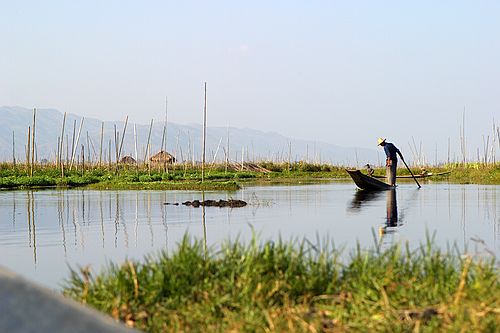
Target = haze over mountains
(182,140)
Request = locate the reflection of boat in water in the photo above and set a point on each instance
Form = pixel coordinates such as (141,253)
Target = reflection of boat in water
(362,197)
(424,175)
(365,182)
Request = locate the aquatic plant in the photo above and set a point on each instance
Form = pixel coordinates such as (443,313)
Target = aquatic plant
(295,286)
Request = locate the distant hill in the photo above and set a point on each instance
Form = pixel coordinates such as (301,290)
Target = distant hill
(182,140)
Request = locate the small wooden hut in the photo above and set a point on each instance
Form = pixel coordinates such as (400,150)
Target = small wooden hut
(162,157)
(128,160)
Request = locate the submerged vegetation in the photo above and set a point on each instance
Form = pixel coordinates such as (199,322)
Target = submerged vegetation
(217,176)
(292,286)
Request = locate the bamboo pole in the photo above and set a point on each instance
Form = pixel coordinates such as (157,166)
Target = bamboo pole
(123,138)
(149,164)
(67,148)
(33,143)
(116,143)
(57,153)
(204,135)
(100,147)
(242,156)
(76,144)
(146,156)
(164,136)
(88,146)
(13,149)
(94,155)
(227,150)
(61,143)
(73,140)
(135,145)
(83,159)
(109,154)
(28,150)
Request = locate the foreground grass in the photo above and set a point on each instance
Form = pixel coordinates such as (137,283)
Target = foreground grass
(278,287)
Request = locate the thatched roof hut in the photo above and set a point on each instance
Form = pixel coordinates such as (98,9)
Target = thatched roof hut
(127,160)
(162,157)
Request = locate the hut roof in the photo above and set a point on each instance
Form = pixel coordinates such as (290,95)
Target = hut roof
(162,156)
(128,160)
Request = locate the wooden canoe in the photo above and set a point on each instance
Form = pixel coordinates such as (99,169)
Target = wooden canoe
(430,174)
(368,183)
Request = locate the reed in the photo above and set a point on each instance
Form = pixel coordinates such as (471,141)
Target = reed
(295,286)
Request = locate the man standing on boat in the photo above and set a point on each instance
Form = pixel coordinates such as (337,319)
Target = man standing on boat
(391,161)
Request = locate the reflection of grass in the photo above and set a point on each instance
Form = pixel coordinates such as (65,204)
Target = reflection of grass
(281,286)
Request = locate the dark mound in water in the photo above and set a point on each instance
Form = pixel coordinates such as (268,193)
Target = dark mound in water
(213,203)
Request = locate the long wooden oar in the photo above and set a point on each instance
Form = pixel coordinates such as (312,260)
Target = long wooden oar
(416,181)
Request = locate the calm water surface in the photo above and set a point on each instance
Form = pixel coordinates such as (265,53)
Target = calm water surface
(43,233)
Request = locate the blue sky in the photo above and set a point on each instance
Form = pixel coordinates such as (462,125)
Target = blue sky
(340,72)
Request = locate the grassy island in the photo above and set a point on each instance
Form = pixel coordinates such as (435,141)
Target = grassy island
(216,177)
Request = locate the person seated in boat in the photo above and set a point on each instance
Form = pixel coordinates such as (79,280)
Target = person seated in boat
(369,170)
(391,162)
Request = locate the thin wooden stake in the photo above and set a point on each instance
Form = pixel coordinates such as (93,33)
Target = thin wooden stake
(28,150)
(135,145)
(123,138)
(204,135)
(61,143)
(146,156)
(13,149)
(76,144)
(100,147)
(33,143)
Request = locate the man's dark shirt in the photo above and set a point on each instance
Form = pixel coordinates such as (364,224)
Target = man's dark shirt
(390,151)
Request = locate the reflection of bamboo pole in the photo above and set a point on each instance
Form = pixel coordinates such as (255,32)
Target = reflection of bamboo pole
(28,207)
(203,221)
(204,135)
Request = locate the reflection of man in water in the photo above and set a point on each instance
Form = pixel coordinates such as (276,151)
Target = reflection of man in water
(391,212)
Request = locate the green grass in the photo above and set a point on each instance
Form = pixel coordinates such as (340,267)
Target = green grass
(216,177)
(296,286)
(471,173)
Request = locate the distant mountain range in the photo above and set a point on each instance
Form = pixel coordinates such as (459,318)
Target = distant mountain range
(182,141)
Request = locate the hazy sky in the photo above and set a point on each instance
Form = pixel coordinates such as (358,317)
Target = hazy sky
(343,72)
